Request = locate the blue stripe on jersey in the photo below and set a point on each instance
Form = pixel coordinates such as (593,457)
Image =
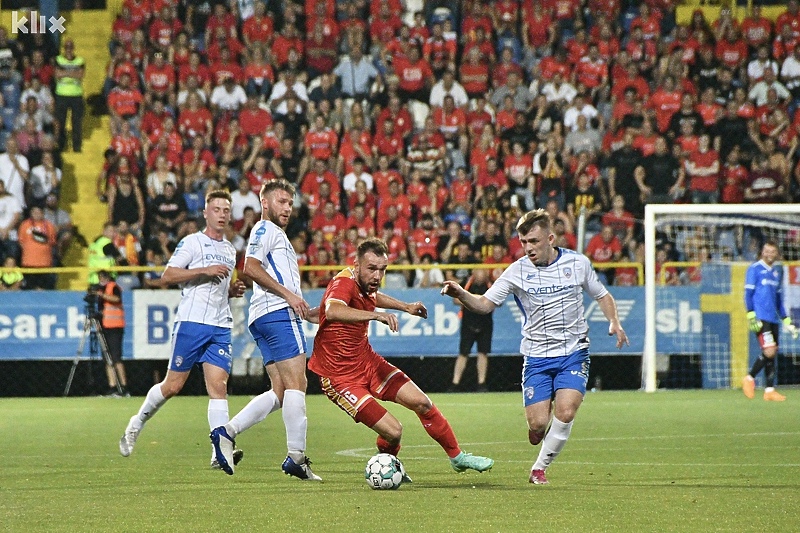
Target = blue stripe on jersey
(274,267)
(521,310)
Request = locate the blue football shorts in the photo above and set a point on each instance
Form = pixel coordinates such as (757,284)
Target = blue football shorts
(543,376)
(279,335)
(194,343)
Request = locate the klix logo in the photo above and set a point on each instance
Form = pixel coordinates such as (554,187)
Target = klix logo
(36,24)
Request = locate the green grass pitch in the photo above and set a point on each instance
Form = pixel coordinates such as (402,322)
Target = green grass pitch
(670,461)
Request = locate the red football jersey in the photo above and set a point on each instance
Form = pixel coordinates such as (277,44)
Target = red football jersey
(343,349)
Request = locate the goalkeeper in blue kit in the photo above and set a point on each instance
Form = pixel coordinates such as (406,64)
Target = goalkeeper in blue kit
(763,297)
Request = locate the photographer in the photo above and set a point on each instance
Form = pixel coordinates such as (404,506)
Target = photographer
(109,306)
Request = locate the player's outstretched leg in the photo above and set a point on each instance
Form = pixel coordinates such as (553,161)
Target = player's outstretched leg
(440,430)
(437,426)
(254,412)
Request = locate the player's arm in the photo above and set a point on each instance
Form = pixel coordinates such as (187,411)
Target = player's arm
(338,311)
(213,274)
(749,289)
(780,305)
(313,315)
(785,318)
(387,302)
(477,303)
(749,293)
(608,306)
(256,272)
(237,289)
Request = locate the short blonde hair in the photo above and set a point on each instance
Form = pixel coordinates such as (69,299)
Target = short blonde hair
(536,217)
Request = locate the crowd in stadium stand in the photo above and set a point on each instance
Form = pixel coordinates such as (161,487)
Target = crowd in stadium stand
(432,124)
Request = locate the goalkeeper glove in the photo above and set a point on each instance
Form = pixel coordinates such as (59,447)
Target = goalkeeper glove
(791,328)
(755,324)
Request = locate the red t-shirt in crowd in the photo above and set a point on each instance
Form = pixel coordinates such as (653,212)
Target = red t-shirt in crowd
(704,183)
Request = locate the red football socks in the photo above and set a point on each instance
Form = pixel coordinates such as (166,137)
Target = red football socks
(439,429)
(385,447)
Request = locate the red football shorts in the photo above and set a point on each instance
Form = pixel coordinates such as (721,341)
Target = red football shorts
(355,395)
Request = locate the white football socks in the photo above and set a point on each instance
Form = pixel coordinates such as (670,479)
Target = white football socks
(552,444)
(217,413)
(152,403)
(254,412)
(294,418)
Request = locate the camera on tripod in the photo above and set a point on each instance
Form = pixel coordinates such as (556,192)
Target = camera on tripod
(93,332)
(92,302)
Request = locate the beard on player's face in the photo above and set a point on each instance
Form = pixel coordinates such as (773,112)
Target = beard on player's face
(369,279)
(279,219)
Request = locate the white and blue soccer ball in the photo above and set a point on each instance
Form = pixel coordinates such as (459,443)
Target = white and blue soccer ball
(384,472)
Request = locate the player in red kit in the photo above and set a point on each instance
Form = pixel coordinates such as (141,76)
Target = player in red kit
(354,376)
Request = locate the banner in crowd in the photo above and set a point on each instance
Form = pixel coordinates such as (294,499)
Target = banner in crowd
(50,325)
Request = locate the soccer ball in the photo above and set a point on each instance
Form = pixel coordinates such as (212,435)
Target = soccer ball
(384,472)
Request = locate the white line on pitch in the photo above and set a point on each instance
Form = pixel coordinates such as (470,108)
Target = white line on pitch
(369,451)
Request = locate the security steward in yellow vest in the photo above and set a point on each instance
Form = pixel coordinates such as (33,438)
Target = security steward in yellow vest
(109,296)
(69,73)
(102,253)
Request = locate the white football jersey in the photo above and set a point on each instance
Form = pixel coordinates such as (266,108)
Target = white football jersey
(270,245)
(551,301)
(204,302)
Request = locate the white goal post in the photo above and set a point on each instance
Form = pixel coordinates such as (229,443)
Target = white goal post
(782,215)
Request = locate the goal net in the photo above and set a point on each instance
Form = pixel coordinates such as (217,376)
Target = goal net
(696,332)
